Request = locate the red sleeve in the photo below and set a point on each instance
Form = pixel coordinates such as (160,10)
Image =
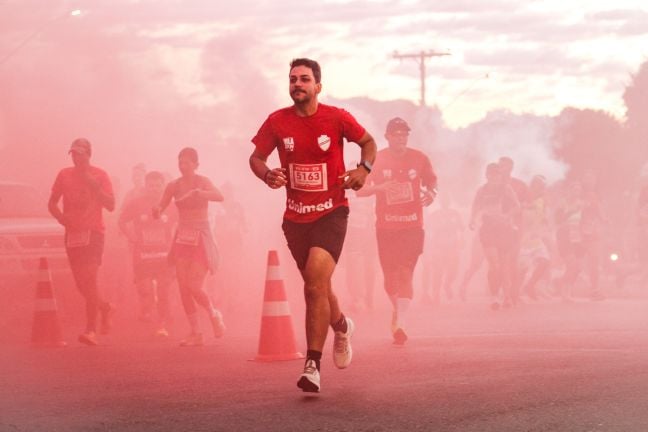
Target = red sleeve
(265,139)
(351,129)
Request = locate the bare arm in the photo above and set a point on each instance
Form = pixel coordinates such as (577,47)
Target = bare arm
(356,178)
(104,194)
(53,207)
(106,200)
(274,178)
(210,192)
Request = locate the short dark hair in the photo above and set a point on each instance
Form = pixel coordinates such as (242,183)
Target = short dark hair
(311,64)
(493,168)
(154,176)
(190,153)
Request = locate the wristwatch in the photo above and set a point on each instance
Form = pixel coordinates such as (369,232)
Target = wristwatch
(366,165)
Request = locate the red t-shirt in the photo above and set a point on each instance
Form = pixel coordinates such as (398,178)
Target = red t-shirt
(80,204)
(399,206)
(311,151)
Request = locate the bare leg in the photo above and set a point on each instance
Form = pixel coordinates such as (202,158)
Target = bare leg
(196,280)
(494,277)
(145,293)
(86,281)
(182,273)
(322,306)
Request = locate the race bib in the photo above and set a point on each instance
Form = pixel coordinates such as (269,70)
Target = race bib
(74,239)
(188,236)
(308,177)
(399,193)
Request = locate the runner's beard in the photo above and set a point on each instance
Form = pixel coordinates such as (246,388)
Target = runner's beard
(304,101)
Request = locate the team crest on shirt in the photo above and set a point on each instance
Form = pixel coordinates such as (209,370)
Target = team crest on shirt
(289,143)
(324,141)
(387,173)
(412,174)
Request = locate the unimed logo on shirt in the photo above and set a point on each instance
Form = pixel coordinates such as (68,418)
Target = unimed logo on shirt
(301,208)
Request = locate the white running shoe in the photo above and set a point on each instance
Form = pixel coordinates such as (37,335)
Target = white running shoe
(217,324)
(194,339)
(162,332)
(88,338)
(342,352)
(309,381)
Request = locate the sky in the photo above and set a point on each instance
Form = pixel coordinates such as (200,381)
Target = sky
(526,57)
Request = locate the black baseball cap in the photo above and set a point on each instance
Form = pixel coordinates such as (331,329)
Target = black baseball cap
(397,124)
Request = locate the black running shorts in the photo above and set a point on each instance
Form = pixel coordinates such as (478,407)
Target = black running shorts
(399,248)
(327,232)
(88,254)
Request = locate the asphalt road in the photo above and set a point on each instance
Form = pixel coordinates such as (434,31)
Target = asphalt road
(547,367)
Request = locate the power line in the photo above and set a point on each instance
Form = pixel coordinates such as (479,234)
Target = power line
(421,57)
(466,90)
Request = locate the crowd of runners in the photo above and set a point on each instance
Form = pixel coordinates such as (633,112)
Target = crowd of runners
(521,231)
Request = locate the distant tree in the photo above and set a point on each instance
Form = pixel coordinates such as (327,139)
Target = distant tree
(588,140)
(636,101)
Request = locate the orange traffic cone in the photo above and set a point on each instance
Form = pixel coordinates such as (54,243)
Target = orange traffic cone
(46,329)
(277,338)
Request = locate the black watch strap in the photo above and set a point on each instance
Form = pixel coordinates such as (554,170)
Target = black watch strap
(366,165)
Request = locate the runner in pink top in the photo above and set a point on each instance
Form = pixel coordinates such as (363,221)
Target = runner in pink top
(85,190)
(309,137)
(193,251)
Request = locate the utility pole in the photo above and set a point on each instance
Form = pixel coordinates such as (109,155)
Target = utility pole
(421,57)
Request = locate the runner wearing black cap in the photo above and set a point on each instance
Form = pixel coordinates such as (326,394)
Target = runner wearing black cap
(403,181)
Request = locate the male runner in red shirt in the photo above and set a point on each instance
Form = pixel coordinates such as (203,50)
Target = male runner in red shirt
(150,239)
(403,182)
(309,137)
(86,190)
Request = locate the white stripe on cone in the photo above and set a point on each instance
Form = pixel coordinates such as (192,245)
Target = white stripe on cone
(276,308)
(273,273)
(45,305)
